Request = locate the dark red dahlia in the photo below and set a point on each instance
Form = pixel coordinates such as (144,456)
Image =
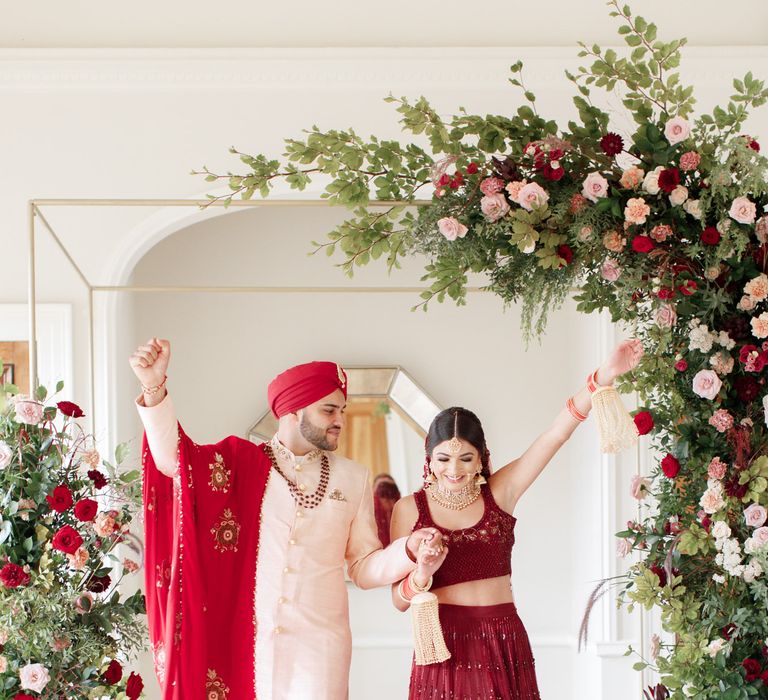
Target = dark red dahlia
(734,489)
(738,327)
(728,631)
(612,144)
(98,479)
(99,584)
(565,252)
(669,178)
(752,668)
(659,571)
(747,388)
(710,236)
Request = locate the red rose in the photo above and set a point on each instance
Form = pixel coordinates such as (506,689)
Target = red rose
(612,144)
(444,179)
(86,509)
(98,479)
(670,466)
(764,677)
(565,252)
(13,576)
(642,244)
(70,409)
(688,287)
(710,236)
(644,422)
(552,174)
(67,540)
(659,571)
(752,667)
(114,672)
(666,293)
(706,523)
(61,499)
(471,170)
(669,178)
(681,365)
(23,696)
(135,685)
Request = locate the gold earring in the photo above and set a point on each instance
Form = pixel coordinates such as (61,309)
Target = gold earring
(480,479)
(431,478)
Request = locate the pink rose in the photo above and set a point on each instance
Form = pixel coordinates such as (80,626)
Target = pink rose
(631,177)
(491,185)
(639,487)
(706,384)
(532,196)
(6,454)
(34,677)
(716,468)
(755,515)
(513,189)
(665,316)
(636,211)
(610,270)
(494,206)
(451,228)
(28,411)
(676,130)
(760,536)
(595,187)
(743,211)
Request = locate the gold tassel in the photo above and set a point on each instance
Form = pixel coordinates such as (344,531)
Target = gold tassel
(429,644)
(616,427)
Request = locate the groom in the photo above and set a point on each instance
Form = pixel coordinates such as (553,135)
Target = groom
(246,544)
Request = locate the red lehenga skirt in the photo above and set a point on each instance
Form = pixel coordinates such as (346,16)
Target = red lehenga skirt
(491,657)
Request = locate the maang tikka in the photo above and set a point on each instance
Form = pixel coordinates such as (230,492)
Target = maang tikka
(454,444)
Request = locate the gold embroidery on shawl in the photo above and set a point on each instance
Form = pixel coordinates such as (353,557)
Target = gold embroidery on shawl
(220,475)
(177,631)
(215,689)
(158,652)
(226,533)
(162,574)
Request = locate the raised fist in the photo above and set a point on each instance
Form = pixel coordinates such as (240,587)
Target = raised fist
(150,362)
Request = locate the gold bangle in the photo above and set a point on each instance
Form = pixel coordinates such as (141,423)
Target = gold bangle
(150,390)
(415,587)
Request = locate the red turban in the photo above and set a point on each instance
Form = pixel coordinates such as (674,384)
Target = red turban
(302,385)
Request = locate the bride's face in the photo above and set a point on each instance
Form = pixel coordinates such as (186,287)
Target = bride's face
(454,470)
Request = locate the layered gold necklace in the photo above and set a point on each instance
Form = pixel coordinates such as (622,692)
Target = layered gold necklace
(455,500)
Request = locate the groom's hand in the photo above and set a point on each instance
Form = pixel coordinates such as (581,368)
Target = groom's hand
(429,535)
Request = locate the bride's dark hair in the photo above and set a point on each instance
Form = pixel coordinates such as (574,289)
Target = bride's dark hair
(465,425)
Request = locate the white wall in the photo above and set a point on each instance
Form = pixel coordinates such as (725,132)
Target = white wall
(120,124)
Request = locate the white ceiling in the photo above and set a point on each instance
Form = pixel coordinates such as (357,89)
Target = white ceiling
(363,23)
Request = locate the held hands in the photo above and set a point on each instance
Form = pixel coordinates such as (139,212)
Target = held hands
(624,358)
(430,555)
(150,363)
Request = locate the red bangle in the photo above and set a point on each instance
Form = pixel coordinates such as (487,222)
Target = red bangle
(592,385)
(571,406)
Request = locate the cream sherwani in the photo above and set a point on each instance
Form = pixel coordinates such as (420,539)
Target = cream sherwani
(303,641)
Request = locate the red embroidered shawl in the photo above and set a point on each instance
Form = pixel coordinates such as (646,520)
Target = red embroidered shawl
(202,539)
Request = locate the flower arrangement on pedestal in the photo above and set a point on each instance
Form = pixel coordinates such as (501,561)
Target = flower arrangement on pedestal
(65,523)
(665,228)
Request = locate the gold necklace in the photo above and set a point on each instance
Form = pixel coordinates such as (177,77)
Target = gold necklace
(305,500)
(455,500)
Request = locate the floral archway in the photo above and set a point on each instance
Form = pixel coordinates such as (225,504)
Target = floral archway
(666,229)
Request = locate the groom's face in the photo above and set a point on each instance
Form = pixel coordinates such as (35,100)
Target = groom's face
(320,423)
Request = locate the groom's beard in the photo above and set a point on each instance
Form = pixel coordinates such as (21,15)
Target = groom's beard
(317,436)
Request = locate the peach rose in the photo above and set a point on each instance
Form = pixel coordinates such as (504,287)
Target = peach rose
(513,189)
(706,384)
(130,566)
(78,559)
(746,303)
(661,232)
(104,524)
(755,515)
(494,206)
(760,325)
(532,196)
(743,210)
(632,177)
(712,500)
(760,536)
(595,187)
(665,316)
(34,677)
(585,233)
(451,228)
(693,207)
(678,196)
(610,270)
(614,241)
(28,411)
(757,288)
(636,211)
(676,130)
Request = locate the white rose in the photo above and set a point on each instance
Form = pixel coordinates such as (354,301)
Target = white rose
(6,453)
(651,181)
(716,646)
(721,530)
(693,208)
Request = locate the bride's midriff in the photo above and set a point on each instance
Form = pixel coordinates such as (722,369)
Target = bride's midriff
(487,591)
